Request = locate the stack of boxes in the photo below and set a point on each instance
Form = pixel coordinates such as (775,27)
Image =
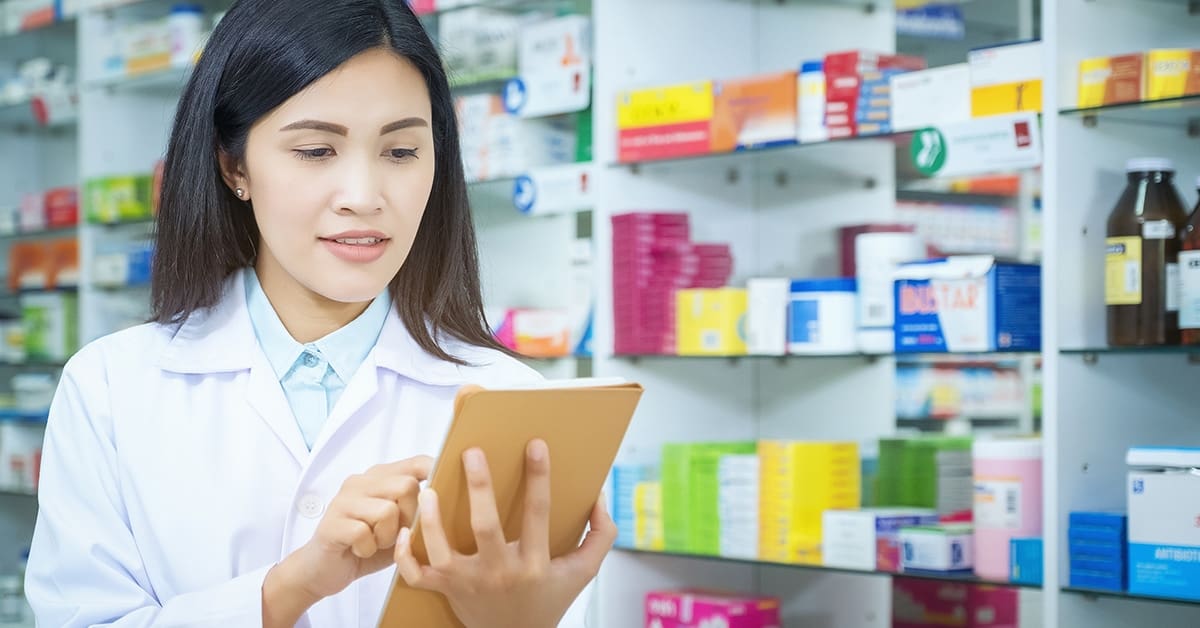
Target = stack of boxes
(1097,549)
(690,495)
(799,482)
(692,609)
(625,479)
(932,472)
(497,144)
(1152,75)
(869,539)
(653,257)
(857,91)
(737,506)
(648,517)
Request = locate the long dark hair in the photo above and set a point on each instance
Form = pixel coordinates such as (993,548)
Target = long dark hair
(261,54)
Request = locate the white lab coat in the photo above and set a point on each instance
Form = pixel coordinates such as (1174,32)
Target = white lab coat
(174,474)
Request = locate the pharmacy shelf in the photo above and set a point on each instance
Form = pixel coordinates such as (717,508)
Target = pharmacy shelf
(780,149)
(5,492)
(43,233)
(1125,595)
(33,364)
(941,577)
(1181,113)
(550,6)
(167,82)
(56,27)
(956,359)
(1095,352)
(19,117)
(23,416)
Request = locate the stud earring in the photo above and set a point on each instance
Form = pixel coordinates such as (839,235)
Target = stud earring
(240,193)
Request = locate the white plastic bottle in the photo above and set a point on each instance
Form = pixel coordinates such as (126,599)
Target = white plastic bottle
(186,24)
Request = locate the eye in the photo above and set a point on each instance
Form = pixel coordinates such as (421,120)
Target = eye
(313,154)
(402,154)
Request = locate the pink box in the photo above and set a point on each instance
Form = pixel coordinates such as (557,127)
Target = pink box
(692,609)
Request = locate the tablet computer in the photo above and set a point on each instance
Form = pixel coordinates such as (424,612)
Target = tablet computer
(583,422)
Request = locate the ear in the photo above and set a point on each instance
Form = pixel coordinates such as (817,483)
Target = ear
(232,172)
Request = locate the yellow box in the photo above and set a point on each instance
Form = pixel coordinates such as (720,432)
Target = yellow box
(711,321)
(660,106)
(1167,73)
(1111,80)
(648,523)
(1006,79)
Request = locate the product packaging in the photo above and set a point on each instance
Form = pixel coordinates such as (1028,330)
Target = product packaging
(869,539)
(1164,540)
(1006,79)
(665,122)
(941,548)
(697,609)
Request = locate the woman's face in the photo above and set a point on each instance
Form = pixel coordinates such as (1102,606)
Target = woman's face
(339,176)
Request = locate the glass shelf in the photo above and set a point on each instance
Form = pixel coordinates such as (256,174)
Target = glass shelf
(1182,112)
(33,364)
(1098,351)
(169,81)
(942,577)
(41,233)
(6,492)
(19,117)
(964,359)
(556,6)
(772,149)
(1125,595)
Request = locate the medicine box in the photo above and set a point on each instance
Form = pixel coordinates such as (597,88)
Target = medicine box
(1168,72)
(1112,80)
(664,122)
(931,97)
(869,539)
(754,112)
(711,321)
(1164,540)
(1025,556)
(690,494)
(698,609)
(949,547)
(967,303)
(767,315)
(1006,79)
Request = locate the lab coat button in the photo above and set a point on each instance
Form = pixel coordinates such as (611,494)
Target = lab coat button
(310,506)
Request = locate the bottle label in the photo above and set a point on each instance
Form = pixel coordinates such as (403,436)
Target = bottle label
(1172,287)
(998,503)
(1123,272)
(1158,230)
(1189,290)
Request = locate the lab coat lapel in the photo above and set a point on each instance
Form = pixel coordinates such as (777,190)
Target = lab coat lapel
(359,392)
(266,396)
(221,339)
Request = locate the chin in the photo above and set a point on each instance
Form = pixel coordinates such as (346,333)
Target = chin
(351,289)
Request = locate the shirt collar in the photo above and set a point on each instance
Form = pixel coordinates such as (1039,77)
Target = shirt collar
(221,339)
(345,349)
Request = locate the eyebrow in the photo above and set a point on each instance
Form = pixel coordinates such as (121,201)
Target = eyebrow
(337,129)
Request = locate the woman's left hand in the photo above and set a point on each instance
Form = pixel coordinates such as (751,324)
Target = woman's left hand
(505,583)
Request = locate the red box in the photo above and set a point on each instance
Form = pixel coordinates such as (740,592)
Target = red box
(62,207)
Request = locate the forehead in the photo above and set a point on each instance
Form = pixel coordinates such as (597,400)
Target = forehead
(371,86)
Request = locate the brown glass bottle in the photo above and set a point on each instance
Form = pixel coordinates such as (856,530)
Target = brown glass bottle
(1189,278)
(1141,277)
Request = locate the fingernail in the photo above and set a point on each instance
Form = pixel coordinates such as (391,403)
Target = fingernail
(424,496)
(473,459)
(537,450)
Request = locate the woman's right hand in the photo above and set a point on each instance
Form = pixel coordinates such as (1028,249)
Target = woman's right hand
(353,539)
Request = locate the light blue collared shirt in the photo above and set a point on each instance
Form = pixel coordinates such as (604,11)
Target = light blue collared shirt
(313,375)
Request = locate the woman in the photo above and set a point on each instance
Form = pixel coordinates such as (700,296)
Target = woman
(252,456)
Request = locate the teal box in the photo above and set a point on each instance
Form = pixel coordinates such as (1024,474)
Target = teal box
(1025,556)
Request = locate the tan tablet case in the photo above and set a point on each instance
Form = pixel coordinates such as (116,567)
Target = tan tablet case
(583,427)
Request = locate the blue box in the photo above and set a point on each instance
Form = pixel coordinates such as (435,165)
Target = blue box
(1087,549)
(1164,540)
(1098,581)
(968,304)
(1098,525)
(1025,556)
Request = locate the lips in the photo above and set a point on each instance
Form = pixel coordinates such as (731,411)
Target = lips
(357,247)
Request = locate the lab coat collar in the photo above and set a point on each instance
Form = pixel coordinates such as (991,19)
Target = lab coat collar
(221,339)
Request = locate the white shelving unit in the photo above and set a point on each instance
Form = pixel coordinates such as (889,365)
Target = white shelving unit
(778,209)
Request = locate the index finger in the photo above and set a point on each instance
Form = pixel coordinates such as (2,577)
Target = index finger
(535,525)
(418,467)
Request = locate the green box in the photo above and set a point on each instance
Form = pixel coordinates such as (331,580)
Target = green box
(51,322)
(118,199)
(690,495)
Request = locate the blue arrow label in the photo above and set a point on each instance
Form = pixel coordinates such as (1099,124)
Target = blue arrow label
(515,96)
(524,194)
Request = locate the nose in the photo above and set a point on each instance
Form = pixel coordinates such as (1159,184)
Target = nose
(361,190)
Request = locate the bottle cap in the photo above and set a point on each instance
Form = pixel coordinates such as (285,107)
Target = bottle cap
(1150,164)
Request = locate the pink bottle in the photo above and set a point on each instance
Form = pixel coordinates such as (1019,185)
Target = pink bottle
(1008,500)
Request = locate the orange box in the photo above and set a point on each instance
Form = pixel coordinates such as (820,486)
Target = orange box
(754,112)
(1193,80)
(1112,80)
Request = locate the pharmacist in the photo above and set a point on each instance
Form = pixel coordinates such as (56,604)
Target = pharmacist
(252,457)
